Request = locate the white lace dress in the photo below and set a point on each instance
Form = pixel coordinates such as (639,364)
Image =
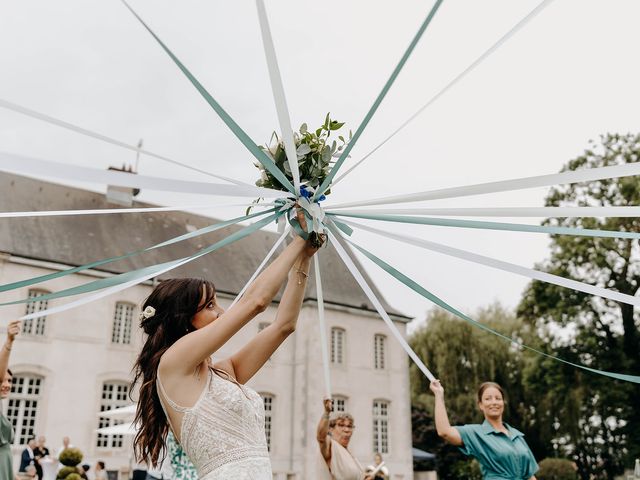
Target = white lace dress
(223,433)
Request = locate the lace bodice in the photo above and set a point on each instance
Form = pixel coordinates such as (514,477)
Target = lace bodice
(223,433)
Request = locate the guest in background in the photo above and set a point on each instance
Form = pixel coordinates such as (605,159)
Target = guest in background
(28,456)
(377,471)
(333,435)
(6,430)
(500,449)
(101,473)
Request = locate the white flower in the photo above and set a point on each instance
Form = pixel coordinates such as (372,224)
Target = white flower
(148,312)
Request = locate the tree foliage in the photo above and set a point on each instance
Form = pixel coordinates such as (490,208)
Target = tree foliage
(595,420)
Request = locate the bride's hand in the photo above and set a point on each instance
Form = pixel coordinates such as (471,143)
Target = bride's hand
(315,241)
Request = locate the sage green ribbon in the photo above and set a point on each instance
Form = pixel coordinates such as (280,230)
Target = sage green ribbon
(97,263)
(441,303)
(378,101)
(512,227)
(262,157)
(146,271)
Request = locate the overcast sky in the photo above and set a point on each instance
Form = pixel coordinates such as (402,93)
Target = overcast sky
(569,76)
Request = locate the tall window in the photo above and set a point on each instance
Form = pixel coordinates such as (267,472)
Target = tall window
(35,326)
(337,345)
(114,395)
(267,400)
(381,426)
(379,344)
(122,320)
(23,406)
(339,403)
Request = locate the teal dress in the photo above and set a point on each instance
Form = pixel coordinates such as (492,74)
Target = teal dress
(501,457)
(181,466)
(6,439)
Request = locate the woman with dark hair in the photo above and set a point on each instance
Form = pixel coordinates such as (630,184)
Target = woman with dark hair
(500,449)
(6,430)
(217,419)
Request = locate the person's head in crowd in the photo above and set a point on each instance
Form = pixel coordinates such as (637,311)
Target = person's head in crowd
(31,443)
(5,386)
(341,427)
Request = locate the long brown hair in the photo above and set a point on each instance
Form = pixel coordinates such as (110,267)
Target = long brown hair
(176,301)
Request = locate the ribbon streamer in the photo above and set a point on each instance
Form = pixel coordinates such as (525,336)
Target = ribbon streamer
(378,306)
(261,266)
(506,266)
(430,296)
(146,272)
(279,96)
(322,325)
(459,77)
(378,101)
(43,168)
(52,276)
(572,176)
(511,227)
(74,128)
(549,212)
(109,211)
(224,116)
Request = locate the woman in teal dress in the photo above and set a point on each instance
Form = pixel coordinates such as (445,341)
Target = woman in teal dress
(6,430)
(500,449)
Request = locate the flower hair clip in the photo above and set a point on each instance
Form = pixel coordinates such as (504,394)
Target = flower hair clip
(147,313)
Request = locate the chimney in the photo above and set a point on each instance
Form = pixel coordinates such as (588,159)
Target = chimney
(122,195)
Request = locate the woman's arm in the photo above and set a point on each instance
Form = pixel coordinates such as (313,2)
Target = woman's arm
(444,428)
(192,349)
(323,431)
(250,358)
(5,352)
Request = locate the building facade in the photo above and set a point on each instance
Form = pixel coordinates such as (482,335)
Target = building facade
(72,365)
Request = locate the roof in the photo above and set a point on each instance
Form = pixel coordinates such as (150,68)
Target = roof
(76,240)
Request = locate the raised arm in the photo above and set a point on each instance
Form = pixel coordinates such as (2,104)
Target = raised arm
(444,428)
(249,359)
(12,330)
(322,433)
(192,349)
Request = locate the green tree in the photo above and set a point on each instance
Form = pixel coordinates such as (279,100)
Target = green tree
(595,420)
(463,357)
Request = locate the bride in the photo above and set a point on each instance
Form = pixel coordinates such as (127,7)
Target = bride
(217,419)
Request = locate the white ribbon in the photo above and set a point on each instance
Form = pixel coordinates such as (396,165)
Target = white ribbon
(322,325)
(459,77)
(573,176)
(279,96)
(505,266)
(372,297)
(83,131)
(261,266)
(43,168)
(103,293)
(108,211)
(553,212)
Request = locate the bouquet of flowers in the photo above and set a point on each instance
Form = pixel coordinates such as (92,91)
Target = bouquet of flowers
(314,151)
